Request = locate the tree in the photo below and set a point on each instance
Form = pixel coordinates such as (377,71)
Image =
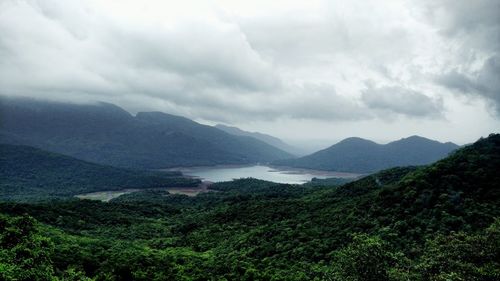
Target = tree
(461,256)
(24,253)
(366,258)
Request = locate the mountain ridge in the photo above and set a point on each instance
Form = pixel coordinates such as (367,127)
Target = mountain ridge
(271,140)
(107,134)
(360,155)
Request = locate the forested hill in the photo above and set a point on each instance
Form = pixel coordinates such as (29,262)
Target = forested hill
(107,134)
(29,173)
(274,141)
(439,222)
(358,155)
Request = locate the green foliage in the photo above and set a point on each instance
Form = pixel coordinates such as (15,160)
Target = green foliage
(327,182)
(462,256)
(365,259)
(24,253)
(438,222)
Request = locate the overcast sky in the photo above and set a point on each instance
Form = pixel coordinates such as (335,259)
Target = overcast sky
(299,70)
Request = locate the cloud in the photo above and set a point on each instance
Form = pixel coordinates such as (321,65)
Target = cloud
(484,83)
(251,61)
(51,52)
(473,23)
(472,31)
(402,101)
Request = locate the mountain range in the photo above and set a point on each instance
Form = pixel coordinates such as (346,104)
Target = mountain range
(359,155)
(274,141)
(107,134)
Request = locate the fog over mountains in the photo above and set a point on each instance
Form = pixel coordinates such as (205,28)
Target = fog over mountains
(326,69)
(107,134)
(274,141)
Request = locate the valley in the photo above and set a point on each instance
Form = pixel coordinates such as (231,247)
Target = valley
(242,140)
(405,223)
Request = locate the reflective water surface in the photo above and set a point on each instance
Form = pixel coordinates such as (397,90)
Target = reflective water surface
(282,175)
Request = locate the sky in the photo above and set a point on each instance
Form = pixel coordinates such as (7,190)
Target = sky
(310,72)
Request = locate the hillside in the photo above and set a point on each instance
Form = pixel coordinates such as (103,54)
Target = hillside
(358,155)
(106,134)
(438,222)
(29,173)
(274,141)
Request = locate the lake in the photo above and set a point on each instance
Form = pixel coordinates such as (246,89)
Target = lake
(228,173)
(280,175)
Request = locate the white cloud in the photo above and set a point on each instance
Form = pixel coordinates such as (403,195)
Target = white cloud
(237,61)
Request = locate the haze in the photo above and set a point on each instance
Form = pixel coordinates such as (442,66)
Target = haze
(298,70)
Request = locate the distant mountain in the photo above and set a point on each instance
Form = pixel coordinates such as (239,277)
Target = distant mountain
(31,173)
(107,134)
(358,155)
(274,141)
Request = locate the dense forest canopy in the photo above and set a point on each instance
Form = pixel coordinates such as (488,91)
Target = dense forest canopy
(437,222)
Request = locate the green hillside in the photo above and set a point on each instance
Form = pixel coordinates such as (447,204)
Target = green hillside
(31,173)
(358,155)
(439,222)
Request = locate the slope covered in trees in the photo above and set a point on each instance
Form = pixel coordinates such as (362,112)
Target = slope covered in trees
(274,141)
(106,134)
(439,222)
(31,173)
(358,155)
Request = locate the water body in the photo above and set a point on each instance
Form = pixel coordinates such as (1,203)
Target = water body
(281,175)
(228,173)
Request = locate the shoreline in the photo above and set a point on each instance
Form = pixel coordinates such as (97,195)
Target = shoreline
(108,195)
(273,168)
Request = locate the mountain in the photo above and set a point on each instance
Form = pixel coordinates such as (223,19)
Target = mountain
(274,141)
(435,222)
(358,155)
(31,173)
(107,134)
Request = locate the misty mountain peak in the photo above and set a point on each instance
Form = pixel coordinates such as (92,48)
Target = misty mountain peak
(156,116)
